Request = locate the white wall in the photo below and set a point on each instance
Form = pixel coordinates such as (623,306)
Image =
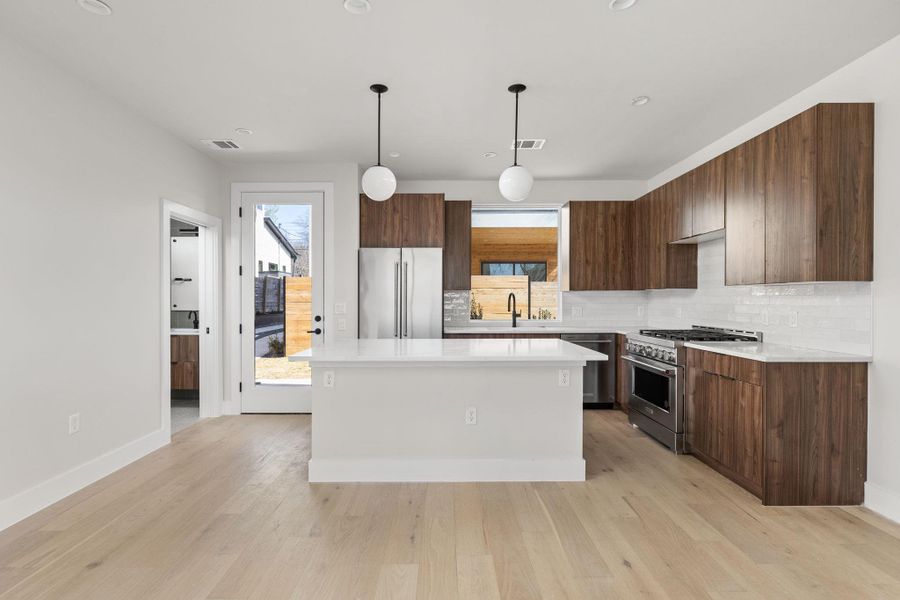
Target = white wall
(872,78)
(545,192)
(81,179)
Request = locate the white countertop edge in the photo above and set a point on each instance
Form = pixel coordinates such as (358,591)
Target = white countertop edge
(777,353)
(185,332)
(419,363)
(560,329)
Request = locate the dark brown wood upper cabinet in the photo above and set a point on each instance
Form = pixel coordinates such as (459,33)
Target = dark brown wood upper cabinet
(745,219)
(791,200)
(678,197)
(812,220)
(707,190)
(457,245)
(599,245)
(640,242)
(403,220)
(845,162)
(379,223)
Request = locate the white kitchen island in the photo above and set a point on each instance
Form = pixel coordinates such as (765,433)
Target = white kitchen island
(403,410)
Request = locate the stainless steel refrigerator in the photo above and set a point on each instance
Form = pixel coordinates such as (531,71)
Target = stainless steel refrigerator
(401,292)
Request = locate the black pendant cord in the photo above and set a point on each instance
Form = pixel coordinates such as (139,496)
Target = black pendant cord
(379,88)
(516,88)
(516,135)
(379,129)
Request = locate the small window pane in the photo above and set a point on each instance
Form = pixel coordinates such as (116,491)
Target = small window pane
(496,268)
(535,271)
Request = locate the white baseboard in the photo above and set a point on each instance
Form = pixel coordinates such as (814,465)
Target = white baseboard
(883,501)
(32,500)
(339,470)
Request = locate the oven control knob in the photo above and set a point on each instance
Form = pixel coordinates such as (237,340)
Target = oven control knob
(655,353)
(671,356)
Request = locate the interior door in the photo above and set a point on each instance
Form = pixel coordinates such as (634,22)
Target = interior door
(281,298)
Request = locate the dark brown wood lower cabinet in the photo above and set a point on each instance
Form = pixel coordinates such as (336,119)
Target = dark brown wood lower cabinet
(185,362)
(793,434)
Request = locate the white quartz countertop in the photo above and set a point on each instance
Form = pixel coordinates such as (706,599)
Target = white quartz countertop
(526,329)
(507,352)
(776,353)
(176,331)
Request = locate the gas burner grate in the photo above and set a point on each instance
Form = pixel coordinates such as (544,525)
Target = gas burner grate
(696,335)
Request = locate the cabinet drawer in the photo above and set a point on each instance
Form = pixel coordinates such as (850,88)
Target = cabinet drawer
(742,369)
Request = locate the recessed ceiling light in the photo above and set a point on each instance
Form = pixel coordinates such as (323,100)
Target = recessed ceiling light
(244,131)
(394,155)
(97,7)
(621,4)
(490,154)
(357,7)
(640,100)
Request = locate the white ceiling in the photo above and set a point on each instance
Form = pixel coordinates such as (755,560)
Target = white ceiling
(297,73)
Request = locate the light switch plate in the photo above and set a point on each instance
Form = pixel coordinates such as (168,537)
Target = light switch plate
(340,308)
(577,312)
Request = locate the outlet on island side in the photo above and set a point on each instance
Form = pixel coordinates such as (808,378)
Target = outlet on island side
(471,415)
(74,423)
(328,379)
(563,378)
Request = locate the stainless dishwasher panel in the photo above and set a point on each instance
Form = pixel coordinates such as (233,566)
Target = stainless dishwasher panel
(599,376)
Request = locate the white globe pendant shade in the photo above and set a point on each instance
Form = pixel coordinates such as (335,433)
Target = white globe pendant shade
(515,183)
(379,183)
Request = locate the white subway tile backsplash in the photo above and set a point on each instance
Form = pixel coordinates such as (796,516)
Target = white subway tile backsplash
(824,316)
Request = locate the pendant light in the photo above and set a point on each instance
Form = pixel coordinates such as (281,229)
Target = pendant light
(378,182)
(516,181)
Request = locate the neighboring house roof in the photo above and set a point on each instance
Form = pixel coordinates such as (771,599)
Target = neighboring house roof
(280,237)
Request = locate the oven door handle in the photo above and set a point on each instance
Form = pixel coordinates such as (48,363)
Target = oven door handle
(649,367)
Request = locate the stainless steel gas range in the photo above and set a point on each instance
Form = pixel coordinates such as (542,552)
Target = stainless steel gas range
(656,374)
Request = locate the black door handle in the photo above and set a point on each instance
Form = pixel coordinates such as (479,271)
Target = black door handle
(316,331)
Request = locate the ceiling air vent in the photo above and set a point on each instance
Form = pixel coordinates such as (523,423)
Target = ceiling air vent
(528,144)
(221,144)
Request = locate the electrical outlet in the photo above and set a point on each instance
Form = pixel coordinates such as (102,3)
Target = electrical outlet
(74,423)
(471,415)
(340,308)
(328,379)
(577,312)
(563,378)
(342,324)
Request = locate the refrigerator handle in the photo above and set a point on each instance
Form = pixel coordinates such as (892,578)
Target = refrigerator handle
(396,298)
(404,299)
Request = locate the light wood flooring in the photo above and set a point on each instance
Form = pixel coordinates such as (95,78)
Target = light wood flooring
(226,512)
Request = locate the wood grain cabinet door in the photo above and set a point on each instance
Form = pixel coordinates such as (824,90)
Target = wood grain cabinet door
(746,453)
(422,218)
(600,242)
(708,197)
(680,208)
(457,245)
(791,200)
(380,223)
(640,242)
(702,412)
(745,212)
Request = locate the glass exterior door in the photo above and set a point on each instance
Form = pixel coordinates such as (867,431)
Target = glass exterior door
(281,293)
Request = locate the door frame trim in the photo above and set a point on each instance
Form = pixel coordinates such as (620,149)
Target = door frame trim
(210,311)
(232,403)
